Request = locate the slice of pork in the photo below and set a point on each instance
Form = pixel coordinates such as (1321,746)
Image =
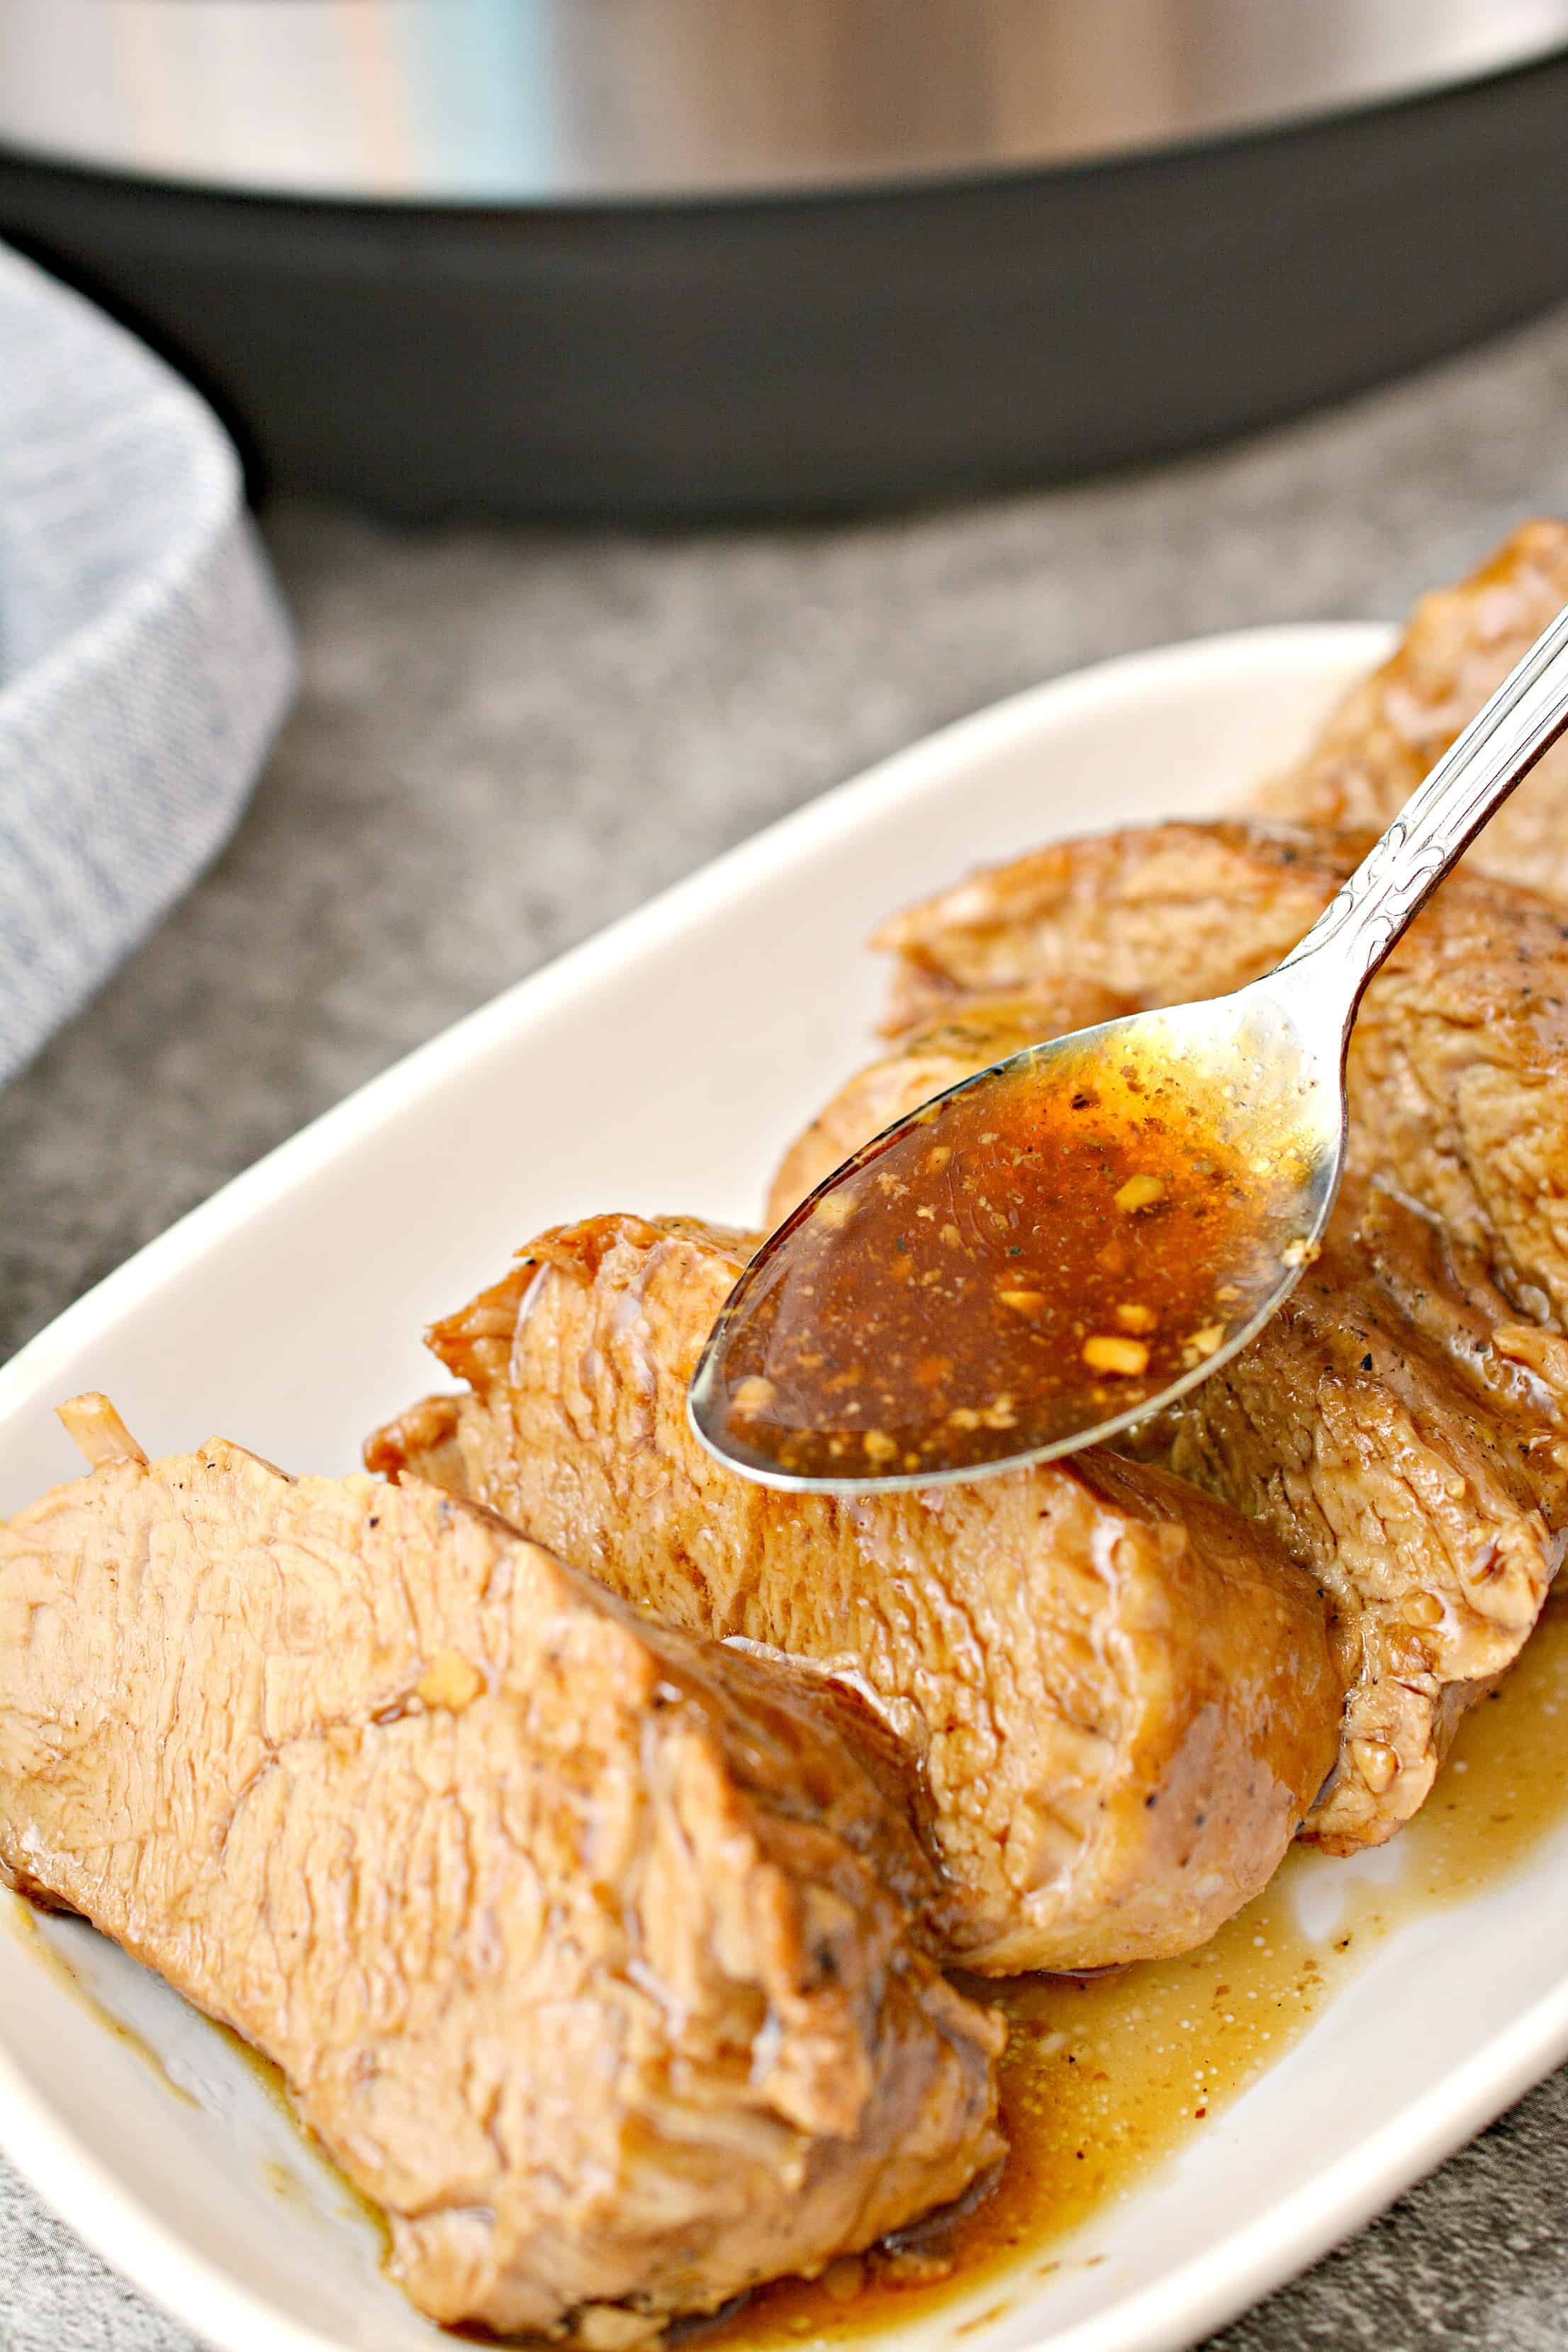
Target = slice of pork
(1154,914)
(587,1950)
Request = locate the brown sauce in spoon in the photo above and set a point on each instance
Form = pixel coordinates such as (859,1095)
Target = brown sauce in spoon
(1039,1254)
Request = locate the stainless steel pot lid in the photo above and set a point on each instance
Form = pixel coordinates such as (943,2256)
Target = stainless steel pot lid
(550,101)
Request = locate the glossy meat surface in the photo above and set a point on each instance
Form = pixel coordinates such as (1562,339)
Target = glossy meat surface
(1400,1425)
(1459,644)
(588,1950)
(1120,1696)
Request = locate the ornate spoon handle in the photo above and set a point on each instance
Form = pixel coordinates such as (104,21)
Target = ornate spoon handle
(1437,823)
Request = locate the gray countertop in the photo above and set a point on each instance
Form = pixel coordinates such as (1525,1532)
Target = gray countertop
(506,737)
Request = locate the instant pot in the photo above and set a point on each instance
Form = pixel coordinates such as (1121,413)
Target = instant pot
(677,257)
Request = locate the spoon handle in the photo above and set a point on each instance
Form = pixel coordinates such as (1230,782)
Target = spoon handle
(1438,822)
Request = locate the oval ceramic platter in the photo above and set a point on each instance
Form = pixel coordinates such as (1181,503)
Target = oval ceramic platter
(661,1067)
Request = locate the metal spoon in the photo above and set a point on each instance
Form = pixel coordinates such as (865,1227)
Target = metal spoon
(1063,1244)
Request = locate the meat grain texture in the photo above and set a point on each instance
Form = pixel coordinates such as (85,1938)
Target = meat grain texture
(1120,1695)
(589,1950)
(1400,1425)
(1391,727)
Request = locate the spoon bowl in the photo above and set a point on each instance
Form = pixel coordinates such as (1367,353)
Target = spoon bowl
(1105,1218)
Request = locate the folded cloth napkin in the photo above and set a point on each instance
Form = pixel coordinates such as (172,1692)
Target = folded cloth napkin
(145,657)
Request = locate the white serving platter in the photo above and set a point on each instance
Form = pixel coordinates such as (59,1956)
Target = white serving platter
(661,1067)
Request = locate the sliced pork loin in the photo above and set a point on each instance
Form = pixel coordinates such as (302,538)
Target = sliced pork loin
(1152,914)
(1460,643)
(1120,1696)
(1402,1426)
(1415,1458)
(586,1948)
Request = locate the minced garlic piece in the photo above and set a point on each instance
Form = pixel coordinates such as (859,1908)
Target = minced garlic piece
(1140,1192)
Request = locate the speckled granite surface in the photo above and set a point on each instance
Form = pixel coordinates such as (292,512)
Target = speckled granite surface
(506,739)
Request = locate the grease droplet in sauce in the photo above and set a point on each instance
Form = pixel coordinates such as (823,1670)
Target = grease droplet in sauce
(1036,1257)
